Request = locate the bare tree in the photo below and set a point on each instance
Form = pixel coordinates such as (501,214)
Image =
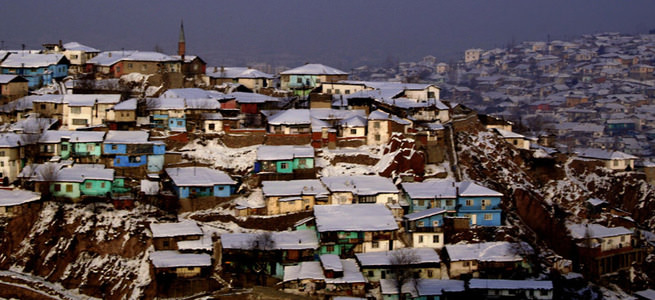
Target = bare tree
(401,262)
(262,246)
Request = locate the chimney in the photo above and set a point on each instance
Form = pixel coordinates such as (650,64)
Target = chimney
(215,69)
(181,43)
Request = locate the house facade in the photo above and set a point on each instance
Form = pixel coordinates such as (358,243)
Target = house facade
(38,69)
(12,87)
(197,182)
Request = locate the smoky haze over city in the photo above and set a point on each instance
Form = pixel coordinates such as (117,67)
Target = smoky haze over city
(344,34)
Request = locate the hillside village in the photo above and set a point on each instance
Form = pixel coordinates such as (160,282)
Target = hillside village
(519,173)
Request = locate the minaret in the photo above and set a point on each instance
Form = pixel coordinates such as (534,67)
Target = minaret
(181,44)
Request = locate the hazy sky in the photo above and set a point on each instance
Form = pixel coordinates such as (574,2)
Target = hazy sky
(340,33)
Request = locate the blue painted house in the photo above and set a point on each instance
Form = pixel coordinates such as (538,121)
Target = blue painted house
(426,227)
(195,182)
(461,199)
(168,113)
(38,69)
(480,204)
(132,149)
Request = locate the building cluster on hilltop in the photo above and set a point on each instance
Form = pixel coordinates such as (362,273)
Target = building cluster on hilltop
(124,126)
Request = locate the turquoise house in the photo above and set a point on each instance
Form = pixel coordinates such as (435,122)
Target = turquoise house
(84,146)
(284,159)
(196,182)
(84,180)
(38,69)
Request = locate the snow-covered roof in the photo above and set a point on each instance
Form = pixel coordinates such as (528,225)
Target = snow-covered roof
(507,284)
(603,154)
(294,188)
(360,184)
(194,93)
(509,134)
(351,273)
(389,287)
(489,251)
(646,294)
(380,115)
(204,243)
(30,60)
(91,99)
(10,140)
(183,228)
(284,152)
(423,256)
(7,78)
(236,72)
(290,117)
(166,104)
(362,217)
(304,270)
(242,97)
(313,69)
(205,104)
(433,287)
(331,262)
(282,240)
(354,121)
(129,104)
(328,114)
(17,197)
(126,137)
(80,173)
(75,46)
(424,213)
(174,259)
(198,176)
(472,189)
(582,231)
(149,187)
(431,189)
(596,201)
(80,136)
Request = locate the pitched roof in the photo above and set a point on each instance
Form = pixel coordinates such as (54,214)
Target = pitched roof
(174,259)
(313,69)
(184,228)
(284,152)
(31,60)
(294,188)
(385,258)
(6,78)
(290,117)
(603,154)
(198,176)
(283,240)
(80,173)
(236,72)
(506,284)
(362,217)
(581,231)
(360,184)
(126,137)
(75,46)
(17,197)
(424,213)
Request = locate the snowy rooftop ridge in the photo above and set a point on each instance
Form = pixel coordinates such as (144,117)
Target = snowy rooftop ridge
(580,231)
(294,188)
(184,228)
(603,154)
(489,251)
(31,60)
(313,69)
(198,176)
(506,284)
(283,240)
(360,185)
(17,197)
(285,152)
(424,255)
(363,217)
(174,259)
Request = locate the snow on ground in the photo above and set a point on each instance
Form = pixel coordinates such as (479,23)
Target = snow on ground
(36,282)
(372,151)
(220,156)
(254,199)
(347,169)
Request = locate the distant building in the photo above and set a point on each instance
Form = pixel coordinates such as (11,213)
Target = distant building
(12,87)
(38,69)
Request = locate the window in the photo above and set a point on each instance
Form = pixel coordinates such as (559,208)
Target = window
(90,147)
(353,131)
(284,165)
(2,163)
(329,248)
(420,239)
(69,188)
(486,202)
(220,188)
(430,274)
(76,110)
(488,217)
(370,273)
(435,238)
(473,263)
(347,92)
(88,185)
(616,163)
(57,187)
(179,123)
(337,91)
(376,124)
(421,202)
(166,244)
(2,153)
(212,126)
(435,223)
(73,56)
(609,241)
(420,224)
(329,91)
(144,67)
(469,202)
(466,263)
(623,238)
(135,159)
(64,147)
(383,274)
(377,137)
(431,95)
(129,66)
(298,80)
(114,147)
(79,121)
(42,106)
(102,185)
(375,245)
